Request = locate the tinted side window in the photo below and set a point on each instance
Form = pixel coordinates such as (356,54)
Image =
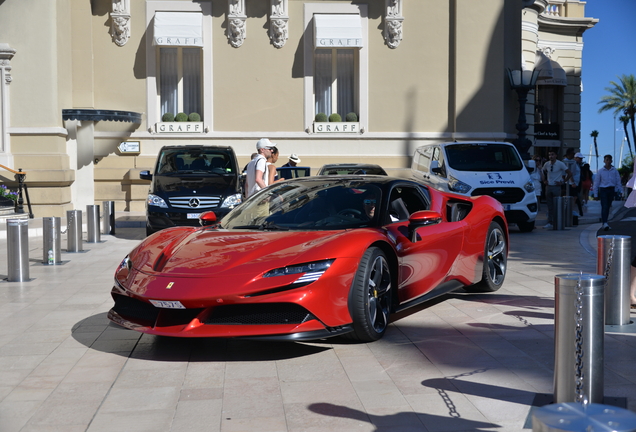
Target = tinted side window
(404,201)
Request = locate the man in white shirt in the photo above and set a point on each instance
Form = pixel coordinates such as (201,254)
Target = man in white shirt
(555,173)
(606,182)
(257,178)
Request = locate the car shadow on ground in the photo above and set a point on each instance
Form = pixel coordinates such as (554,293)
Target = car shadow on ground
(98,333)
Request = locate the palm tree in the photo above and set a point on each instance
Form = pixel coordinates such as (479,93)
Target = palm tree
(622,100)
(625,120)
(594,135)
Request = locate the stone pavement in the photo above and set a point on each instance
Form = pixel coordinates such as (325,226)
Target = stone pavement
(463,362)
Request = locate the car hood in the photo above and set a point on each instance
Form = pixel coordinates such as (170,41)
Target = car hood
(209,253)
(188,184)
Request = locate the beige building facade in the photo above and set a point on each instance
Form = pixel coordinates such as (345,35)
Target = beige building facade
(88,88)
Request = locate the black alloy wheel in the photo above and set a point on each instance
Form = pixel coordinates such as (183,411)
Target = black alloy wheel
(371,296)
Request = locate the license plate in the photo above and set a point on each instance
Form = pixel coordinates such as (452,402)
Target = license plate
(167,304)
(194,215)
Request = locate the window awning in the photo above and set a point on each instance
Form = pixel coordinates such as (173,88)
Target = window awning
(178,29)
(338,31)
(101,115)
(550,71)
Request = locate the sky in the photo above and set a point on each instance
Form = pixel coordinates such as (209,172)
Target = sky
(609,50)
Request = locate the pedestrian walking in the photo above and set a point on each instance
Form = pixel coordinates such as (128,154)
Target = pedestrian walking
(257,178)
(536,175)
(586,183)
(606,183)
(272,174)
(556,174)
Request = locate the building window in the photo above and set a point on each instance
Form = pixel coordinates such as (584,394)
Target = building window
(335,81)
(548,104)
(336,64)
(179,63)
(180,80)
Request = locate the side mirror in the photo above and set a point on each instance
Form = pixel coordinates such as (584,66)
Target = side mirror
(420,219)
(531,165)
(145,175)
(435,168)
(207,218)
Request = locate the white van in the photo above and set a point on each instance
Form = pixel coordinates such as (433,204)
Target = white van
(480,168)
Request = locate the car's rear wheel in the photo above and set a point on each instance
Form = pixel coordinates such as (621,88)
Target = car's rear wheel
(495,261)
(371,296)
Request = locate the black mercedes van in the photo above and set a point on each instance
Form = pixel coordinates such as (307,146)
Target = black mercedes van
(189,180)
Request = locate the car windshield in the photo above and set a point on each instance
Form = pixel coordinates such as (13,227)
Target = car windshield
(483,157)
(308,205)
(369,170)
(183,161)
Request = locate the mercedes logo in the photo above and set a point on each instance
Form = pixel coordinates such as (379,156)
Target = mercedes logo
(194,202)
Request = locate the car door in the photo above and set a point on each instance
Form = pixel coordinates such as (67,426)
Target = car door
(427,262)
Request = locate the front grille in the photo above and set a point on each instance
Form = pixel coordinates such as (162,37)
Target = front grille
(135,310)
(190,202)
(503,195)
(176,317)
(255,314)
(148,315)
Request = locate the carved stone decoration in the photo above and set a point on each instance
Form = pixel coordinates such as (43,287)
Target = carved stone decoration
(278,19)
(6,54)
(393,21)
(548,51)
(120,22)
(236,27)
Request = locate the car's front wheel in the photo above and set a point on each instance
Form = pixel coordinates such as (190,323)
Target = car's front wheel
(495,261)
(371,296)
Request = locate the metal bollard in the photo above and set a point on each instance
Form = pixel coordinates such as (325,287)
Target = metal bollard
(92,222)
(576,348)
(109,218)
(74,230)
(573,417)
(613,262)
(18,250)
(568,205)
(557,207)
(51,248)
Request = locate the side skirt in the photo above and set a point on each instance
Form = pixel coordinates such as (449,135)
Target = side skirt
(441,289)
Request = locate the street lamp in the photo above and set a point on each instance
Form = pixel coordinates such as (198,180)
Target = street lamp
(522,81)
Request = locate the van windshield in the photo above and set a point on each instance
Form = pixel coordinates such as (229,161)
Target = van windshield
(181,161)
(483,157)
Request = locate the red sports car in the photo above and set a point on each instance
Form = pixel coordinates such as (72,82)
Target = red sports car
(312,258)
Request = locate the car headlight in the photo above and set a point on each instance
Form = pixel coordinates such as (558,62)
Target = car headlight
(311,272)
(157,201)
(232,201)
(457,186)
(529,187)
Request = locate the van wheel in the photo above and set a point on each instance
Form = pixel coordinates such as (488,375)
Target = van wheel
(525,226)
